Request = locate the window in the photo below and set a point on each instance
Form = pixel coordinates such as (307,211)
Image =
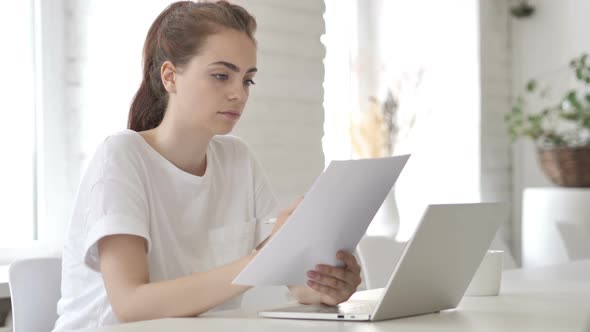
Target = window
(18,135)
(429,60)
(104,111)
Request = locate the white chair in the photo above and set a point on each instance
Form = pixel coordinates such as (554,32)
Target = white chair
(555,225)
(575,239)
(34,291)
(378,257)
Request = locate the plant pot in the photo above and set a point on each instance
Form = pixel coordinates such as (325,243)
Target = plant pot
(567,167)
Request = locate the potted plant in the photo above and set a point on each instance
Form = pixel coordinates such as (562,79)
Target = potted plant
(561,131)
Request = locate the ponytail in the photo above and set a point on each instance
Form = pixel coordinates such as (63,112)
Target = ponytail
(149,104)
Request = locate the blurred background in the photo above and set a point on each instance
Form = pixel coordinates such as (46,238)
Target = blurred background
(338,79)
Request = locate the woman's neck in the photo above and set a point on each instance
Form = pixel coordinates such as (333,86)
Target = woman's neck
(186,149)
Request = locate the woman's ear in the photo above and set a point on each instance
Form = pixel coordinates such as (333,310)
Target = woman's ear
(168,75)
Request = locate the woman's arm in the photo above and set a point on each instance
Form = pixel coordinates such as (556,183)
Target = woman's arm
(123,264)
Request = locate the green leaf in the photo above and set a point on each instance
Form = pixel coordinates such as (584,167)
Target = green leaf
(583,58)
(572,97)
(516,110)
(556,139)
(572,94)
(568,116)
(579,73)
(531,85)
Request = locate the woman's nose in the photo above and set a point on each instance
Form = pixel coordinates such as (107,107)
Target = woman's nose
(237,93)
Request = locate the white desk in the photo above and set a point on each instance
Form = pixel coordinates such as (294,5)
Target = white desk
(553,298)
(4,290)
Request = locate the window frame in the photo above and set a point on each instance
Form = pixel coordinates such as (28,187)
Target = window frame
(50,183)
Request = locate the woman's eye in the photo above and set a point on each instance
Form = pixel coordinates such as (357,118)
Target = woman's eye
(221,77)
(249,82)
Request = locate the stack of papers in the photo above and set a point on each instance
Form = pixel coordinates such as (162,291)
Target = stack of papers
(334,215)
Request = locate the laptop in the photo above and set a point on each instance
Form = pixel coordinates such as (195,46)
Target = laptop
(433,272)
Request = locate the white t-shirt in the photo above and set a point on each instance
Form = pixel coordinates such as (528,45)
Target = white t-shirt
(190,223)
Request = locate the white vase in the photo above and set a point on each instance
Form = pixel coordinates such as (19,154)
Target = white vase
(386,221)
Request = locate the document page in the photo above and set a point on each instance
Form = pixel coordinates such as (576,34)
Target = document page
(334,214)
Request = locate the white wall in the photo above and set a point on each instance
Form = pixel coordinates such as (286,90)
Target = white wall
(495,72)
(546,41)
(284,119)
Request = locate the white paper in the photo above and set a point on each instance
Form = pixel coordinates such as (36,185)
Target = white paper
(334,215)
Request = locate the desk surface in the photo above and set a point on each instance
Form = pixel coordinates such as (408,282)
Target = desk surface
(553,298)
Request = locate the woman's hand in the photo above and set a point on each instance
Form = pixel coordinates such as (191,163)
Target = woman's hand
(281,218)
(336,284)
(284,215)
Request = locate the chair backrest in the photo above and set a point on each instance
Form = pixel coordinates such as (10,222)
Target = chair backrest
(575,239)
(35,288)
(378,257)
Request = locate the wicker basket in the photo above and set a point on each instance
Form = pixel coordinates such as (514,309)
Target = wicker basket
(568,167)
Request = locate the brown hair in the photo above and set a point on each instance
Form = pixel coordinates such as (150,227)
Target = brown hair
(176,35)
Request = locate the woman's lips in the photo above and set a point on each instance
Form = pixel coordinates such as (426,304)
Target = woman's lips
(232,115)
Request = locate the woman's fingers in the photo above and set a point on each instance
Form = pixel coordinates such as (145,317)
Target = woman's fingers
(351,273)
(330,296)
(336,284)
(337,273)
(331,281)
(349,260)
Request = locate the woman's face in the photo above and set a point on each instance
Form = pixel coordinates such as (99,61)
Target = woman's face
(211,90)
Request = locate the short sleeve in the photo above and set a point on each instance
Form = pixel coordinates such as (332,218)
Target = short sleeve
(117,204)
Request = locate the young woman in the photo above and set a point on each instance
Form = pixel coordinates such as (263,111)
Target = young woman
(166,213)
